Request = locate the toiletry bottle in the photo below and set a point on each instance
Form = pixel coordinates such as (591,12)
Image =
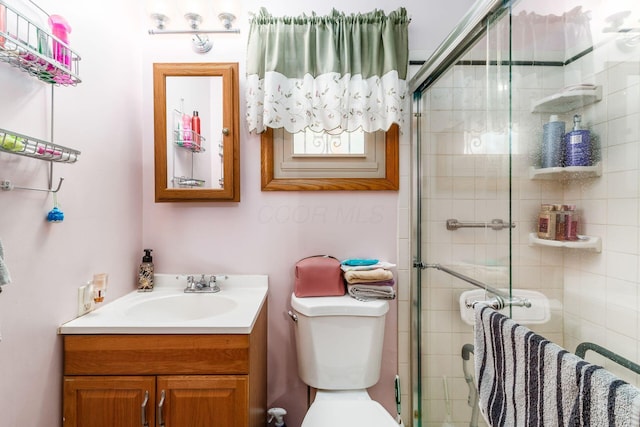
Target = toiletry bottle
(3,23)
(551,153)
(145,274)
(577,150)
(60,29)
(277,414)
(195,127)
(571,222)
(177,132)
(561,222)
(186,128)
(547,222)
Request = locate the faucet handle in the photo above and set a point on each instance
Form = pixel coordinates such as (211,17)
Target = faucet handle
(191,284)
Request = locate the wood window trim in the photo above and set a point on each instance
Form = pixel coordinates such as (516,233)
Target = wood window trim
(391,181)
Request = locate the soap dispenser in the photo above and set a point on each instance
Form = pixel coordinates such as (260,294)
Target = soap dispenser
(145,274)
(577,151)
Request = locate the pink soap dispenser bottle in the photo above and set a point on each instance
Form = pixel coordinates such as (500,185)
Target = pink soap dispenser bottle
(60,29)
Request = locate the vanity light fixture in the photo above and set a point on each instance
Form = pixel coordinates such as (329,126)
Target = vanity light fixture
(200,41)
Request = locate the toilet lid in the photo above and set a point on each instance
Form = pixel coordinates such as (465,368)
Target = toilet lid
(348,413)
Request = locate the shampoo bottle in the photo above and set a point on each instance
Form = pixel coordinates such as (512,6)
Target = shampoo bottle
(577,150)
(552,134)
(145,274)
(195,127)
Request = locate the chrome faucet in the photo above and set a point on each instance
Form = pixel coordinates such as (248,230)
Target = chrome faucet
(203,285)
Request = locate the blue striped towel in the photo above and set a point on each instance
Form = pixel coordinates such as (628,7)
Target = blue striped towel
(524,379)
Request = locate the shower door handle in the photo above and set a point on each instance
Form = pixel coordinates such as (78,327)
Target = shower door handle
(495,224)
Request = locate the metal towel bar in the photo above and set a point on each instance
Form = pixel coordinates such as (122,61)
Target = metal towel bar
(495,224)
(501,299)
(498,303)
(582,349)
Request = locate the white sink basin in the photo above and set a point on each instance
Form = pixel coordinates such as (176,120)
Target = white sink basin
(181,307)
(539,312)
(168,310)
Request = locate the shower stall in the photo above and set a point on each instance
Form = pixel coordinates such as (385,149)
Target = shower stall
(483,108)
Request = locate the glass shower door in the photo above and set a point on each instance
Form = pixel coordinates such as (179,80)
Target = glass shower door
(463,213)
(480,113)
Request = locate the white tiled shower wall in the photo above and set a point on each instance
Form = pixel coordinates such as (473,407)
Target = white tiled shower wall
(594,296)
(601,290)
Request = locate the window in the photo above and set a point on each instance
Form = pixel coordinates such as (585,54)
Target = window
(320,161)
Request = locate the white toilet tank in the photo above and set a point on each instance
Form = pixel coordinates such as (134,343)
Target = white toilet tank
(339,341)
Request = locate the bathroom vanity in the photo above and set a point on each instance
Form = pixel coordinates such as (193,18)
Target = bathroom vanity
(158,376)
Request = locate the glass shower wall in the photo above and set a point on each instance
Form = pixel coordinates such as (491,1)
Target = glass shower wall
(481,111)
(465,156)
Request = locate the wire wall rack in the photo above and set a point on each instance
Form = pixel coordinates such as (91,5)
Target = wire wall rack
(30,48)
(15,143)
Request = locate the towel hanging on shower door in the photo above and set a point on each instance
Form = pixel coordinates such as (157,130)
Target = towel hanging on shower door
(524,379)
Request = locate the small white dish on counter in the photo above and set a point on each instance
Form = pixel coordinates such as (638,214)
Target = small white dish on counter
(169,310)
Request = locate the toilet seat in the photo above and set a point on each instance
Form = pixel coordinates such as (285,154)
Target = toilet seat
(347,410)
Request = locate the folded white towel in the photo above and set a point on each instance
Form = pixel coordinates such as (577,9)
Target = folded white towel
(366,292)
(5,277)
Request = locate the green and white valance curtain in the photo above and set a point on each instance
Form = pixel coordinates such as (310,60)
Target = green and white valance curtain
(333,73)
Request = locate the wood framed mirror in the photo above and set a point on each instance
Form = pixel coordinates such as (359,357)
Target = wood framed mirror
(196,159)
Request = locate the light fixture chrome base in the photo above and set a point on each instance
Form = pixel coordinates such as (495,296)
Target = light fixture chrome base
(201,43)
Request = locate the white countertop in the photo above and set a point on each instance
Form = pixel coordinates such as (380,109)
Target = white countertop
(168,310)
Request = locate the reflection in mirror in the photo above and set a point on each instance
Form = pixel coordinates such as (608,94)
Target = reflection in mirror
(196,132)
(194,147)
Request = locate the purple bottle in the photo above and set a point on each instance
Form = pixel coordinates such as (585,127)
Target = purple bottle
(577,145)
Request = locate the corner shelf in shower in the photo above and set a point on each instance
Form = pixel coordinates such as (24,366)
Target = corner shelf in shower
(569,172)
(28,47)
(569,99)
(591,243)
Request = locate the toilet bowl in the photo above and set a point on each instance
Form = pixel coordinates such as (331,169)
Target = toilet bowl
(339,350)
(353,408)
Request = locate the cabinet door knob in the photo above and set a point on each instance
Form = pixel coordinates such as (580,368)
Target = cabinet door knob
(161,409)
(143,410)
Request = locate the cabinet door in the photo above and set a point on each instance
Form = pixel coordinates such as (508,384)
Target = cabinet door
(102,401)
(203,400)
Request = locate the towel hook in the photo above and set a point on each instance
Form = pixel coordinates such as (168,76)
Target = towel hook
(7,185)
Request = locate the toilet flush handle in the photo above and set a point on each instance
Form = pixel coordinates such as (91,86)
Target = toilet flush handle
(293,316)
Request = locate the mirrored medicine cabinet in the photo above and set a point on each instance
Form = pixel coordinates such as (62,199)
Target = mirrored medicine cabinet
(196,132)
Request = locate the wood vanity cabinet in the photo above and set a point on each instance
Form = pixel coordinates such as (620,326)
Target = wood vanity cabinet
(206,380)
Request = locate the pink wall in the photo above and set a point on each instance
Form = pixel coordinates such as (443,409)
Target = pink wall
(100,196)
(107,198)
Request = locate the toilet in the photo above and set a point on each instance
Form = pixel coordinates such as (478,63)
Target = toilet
(339,348)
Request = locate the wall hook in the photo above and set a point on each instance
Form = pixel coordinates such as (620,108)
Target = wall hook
(6,185)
